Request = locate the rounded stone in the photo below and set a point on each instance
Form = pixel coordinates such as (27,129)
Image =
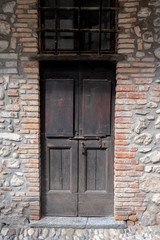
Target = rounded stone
(15,155)
(148,218)
(144,12)
(148,37)
(156,22)
(157,52)
(153,157)
(156,198)
(5,28)
(2,94)
(70,232)
(3,45)
(150,117)
(8,7)
(158,137)
(31,231)
(133,218)
(16,182)
(150,183)
(143,139)
(147,46)
(52,232)
(10,128)
(4,231)
(5,151)
(145,150)
(148,169)
(11,163)
(45,233)
(157,123)
(152,105)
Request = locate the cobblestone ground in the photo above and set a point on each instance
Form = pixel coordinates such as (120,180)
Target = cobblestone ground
(130,233)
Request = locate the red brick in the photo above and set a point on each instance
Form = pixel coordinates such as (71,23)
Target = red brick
(17,199)
(134,161)
(120,218)
(142,80)
(121,136)
(134,185)
(13,93)
(126,89)
(140,209)
(123,143)
(122,161)
(124,155)
(133,149)
(128,70)
(127,167)
(130,223)
(136,95)
(140,64)
(34,217)
(139,168)
(124,120)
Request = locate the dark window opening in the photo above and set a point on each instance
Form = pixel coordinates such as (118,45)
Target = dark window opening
(78,27)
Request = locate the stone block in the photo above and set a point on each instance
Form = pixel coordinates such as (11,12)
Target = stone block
(153,157)
(5,28)
(143,139)
(16,182)
(11,136)
(150,183)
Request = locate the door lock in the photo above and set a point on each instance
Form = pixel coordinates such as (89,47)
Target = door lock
(82,148)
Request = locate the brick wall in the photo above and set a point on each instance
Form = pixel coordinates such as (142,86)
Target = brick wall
(137,102)
(137,121)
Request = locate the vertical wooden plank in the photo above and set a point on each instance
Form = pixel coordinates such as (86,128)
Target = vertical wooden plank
(91,160)
(55,169)
(96,107)
(59,107)
(66,169)
(101,169)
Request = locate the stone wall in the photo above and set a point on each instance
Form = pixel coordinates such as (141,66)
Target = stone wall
(19,111)
(137,116)
(137,122)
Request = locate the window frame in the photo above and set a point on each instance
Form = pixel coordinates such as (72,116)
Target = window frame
(78,31)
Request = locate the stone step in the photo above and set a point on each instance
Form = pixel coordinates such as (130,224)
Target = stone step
(79,223)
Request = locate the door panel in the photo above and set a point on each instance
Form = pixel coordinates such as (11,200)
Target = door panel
(59,107)
(60,196)
(96,172)
(77,134)
(96,107)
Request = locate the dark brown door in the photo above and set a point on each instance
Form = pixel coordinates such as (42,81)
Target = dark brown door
(77,138)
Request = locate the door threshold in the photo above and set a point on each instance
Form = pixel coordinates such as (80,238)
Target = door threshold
(79,223)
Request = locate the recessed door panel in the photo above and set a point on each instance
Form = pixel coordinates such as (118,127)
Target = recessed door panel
(96,107)
(59,107)
(95,186)
(96,161)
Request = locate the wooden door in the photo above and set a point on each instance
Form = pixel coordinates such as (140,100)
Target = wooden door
(77,139)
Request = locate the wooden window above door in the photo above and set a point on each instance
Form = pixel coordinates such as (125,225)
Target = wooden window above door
(77,27)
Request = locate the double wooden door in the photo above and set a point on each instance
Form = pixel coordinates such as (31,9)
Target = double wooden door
(77,139)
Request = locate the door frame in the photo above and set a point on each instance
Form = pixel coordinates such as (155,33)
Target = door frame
(108,64)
